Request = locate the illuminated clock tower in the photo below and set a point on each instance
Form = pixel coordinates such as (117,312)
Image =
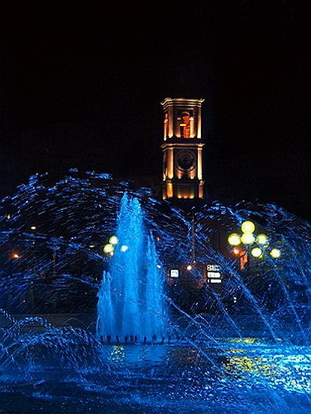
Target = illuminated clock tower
(182,149)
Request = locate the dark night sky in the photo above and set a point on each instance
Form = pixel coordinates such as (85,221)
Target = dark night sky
(81,86)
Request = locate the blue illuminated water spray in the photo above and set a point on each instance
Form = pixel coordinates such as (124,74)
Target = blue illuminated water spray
(131,300)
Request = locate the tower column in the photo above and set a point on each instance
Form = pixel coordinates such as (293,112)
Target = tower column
(182,149)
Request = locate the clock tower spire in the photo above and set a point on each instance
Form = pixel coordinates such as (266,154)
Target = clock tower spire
(182,149)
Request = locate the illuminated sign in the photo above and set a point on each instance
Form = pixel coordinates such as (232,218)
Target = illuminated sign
(213,273)
(174,273)
(212,268)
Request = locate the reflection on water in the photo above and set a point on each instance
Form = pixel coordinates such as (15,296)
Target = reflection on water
(117,353)
(244,375)
(250,362)
(280,370)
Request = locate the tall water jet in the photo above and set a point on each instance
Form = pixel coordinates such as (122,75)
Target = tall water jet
(130,299)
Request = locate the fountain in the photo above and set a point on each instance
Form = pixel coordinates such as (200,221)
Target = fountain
(130,301)
(240,346)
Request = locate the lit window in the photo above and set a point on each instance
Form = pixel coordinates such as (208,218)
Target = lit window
(185,125)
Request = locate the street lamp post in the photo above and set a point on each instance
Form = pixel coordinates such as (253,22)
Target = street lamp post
(248,245)
(112,245)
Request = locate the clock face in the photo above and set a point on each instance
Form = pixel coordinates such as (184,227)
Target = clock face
(185,160)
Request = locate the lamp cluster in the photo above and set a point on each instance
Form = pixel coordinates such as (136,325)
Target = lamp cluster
(248,238)
(110,247)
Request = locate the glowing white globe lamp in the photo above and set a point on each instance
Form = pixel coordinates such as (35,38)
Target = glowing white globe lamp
(248,227)
(113,240)
(256,252)
(275,253)
(247,238)
(262,239)
(234,239)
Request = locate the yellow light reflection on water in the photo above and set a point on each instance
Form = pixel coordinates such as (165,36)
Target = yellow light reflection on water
(117,353)
(280,370)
